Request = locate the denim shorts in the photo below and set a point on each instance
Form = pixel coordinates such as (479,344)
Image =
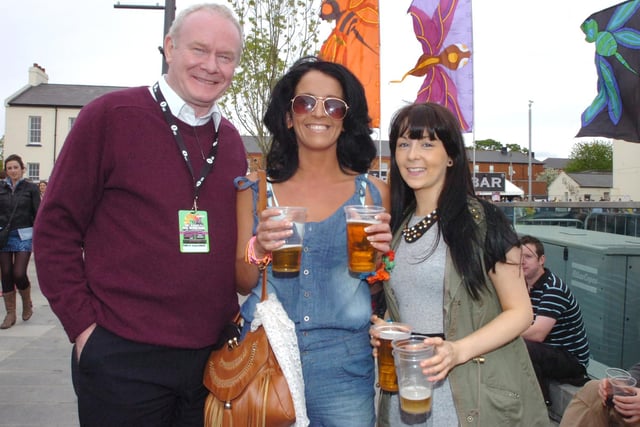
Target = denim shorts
(16,244)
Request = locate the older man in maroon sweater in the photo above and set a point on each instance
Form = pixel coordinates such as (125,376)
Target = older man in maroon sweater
(135,243)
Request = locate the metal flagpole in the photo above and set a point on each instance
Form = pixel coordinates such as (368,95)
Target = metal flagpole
(473,97)
(530,196)
(379,98)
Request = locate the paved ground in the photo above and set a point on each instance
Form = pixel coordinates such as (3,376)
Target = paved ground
(35,377)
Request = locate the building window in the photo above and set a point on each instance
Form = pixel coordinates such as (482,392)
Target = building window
(491,169)
(35,130)
(72,120)
(382,174)
(33,171)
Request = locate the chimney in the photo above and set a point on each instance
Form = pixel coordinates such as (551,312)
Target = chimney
(37,75)
(503,151)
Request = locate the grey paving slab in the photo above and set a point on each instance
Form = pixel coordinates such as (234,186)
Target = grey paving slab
(37,393)
(38,415)
(26,362)
(34,378)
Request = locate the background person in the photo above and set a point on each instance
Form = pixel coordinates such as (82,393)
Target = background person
(16,191)
(319,157)
(457,274)
(143,303)
(556,340)
(588,407)
(42,187)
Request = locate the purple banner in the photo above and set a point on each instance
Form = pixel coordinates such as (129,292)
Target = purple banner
(444,30)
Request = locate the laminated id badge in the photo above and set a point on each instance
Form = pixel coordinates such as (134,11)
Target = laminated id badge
(194,231)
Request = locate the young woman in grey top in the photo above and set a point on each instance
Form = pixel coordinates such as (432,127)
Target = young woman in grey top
(458,274)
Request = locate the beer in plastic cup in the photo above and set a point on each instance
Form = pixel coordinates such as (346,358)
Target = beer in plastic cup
(389,331)
(286,259)
(362,256)
(415,389)
(621,382)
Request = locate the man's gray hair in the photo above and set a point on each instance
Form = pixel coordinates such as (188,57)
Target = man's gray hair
(216,8)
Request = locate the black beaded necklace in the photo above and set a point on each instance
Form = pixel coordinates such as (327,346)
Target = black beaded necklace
(411,234)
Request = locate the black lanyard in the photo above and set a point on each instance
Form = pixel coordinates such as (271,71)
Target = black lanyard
(208,164)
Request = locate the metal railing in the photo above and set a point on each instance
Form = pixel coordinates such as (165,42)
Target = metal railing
(609,217)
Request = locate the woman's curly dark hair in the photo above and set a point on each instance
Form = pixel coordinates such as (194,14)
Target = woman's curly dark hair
(356,150)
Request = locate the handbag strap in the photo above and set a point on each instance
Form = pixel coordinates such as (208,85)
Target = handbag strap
(262,205)
(11,216)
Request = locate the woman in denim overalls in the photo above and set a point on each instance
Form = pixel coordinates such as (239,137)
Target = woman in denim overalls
(320,153)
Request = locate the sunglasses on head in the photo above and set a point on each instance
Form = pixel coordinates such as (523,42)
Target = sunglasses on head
(335,108)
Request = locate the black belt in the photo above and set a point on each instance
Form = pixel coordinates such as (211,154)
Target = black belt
(429,335)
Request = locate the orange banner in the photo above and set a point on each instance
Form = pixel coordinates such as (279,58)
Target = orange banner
(355,43)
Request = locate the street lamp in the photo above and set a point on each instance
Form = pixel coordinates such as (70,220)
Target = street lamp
(530,171)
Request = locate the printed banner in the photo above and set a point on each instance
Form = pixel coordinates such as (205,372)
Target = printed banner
(355,43)
(444,30)
(615,32)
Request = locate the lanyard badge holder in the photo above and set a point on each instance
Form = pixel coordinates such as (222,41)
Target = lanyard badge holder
(193,224)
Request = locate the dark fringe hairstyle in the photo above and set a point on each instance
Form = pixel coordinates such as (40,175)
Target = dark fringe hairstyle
(456,223)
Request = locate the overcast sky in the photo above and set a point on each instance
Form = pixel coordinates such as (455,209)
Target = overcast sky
(522,50)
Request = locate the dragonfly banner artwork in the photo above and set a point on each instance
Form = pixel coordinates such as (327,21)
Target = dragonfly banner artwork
(615,32)
(444,30)
(355,43)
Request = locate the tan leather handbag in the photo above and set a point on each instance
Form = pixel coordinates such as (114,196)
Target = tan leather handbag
(246,385)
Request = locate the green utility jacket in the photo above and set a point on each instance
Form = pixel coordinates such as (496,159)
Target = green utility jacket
(495,389)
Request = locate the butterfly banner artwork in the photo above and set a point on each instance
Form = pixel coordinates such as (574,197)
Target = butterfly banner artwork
(615,33)
(355,43)
(444,30)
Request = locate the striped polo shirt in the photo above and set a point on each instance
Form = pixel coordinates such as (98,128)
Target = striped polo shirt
(551,297)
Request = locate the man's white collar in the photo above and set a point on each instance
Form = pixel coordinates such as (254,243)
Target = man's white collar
(184,111)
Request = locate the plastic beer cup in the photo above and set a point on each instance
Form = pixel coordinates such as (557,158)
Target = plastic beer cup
(389,331)
(361,255)
(621,382)
(286,259)
(414,388)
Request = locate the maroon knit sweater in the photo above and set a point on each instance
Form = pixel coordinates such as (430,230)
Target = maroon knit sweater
(106,237)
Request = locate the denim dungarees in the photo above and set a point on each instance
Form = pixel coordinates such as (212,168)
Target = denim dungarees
(331,309)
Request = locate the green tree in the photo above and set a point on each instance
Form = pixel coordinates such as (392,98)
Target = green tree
(488,145)
(548,176)
(493,145)
(277,33)
(591,156)
(515,148)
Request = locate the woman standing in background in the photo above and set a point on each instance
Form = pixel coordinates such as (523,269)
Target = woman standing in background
(19,202)
(42,186)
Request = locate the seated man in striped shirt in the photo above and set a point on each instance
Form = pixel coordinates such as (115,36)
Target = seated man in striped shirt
(556,340)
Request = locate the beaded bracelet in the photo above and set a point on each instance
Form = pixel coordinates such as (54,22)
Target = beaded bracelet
(250,255)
